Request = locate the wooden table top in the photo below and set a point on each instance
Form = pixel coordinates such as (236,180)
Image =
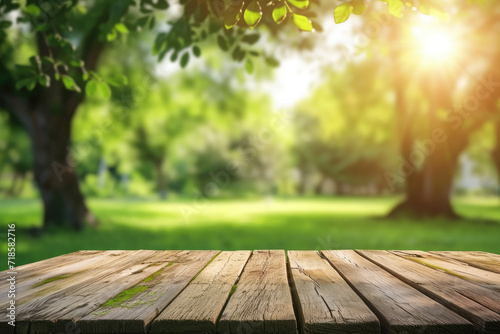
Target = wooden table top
(264,291)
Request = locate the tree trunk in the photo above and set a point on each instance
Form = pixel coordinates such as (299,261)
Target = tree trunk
(318,189)
(55,170)
(162,179)
(429,188)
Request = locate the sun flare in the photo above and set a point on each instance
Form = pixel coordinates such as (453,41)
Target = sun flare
(434,45)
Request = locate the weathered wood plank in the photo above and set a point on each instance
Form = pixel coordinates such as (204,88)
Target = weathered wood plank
(262,302)
(31,289)
(134,309)
(325,302)
(34,269)
(400,308)
(453,267)
(39,282)
(199,305)
(478,304)
(53,312)
(54,260)
(482,260)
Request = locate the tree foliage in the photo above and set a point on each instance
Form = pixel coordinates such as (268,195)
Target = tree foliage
(61,29)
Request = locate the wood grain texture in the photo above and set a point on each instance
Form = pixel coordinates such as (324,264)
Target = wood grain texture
(26,273)
(41,281)
(148,297)
(479,305)
(480,260)
(262,302)
(400,308)
(326,303)
(53,312)
(453,267)
(200,304)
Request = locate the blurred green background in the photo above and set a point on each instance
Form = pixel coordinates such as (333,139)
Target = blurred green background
(350,137)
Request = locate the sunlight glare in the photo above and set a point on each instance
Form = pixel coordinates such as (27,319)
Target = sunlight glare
(434,45)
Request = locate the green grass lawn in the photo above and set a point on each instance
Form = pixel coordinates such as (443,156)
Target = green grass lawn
(326,223)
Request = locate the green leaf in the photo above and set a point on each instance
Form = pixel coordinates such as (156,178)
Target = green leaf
(271,61)
(117,80)
(152,23)
(222,43)
(395,7)
(302,22)
(111,35)
(232,15)
(249,66)
(42,27)
(69,83)
(76,62)
(160,4)
(238,54)
(47,60)
(91,88)
(184,59)
(250,39)
(196,51)
(160,42)
(427,7)
(317,27)
(142,21)
(104,89)
(279,14)
(358,7)
(29,83)
(120,27)
(36,62)
(26,70)
(299,3)
(5,24)
(253,14)
(32,10)
(44,80)
(342,12)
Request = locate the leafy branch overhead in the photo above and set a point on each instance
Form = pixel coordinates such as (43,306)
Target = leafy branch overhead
(61,56)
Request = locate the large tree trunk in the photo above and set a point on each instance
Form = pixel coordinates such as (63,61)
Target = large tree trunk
(162,179)
(428,191)
(54,170)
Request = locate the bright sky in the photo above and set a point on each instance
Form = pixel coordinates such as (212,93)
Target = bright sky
(298,71)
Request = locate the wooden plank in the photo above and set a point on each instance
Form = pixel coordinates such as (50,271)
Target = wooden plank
(200,304)
(456,268)
(262,302)
(34,269)
(482,260)
(52,312)
(400,308)
(478,304)
(134,309)
(47,280)
(54,260)
(325,302)
(56,277)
